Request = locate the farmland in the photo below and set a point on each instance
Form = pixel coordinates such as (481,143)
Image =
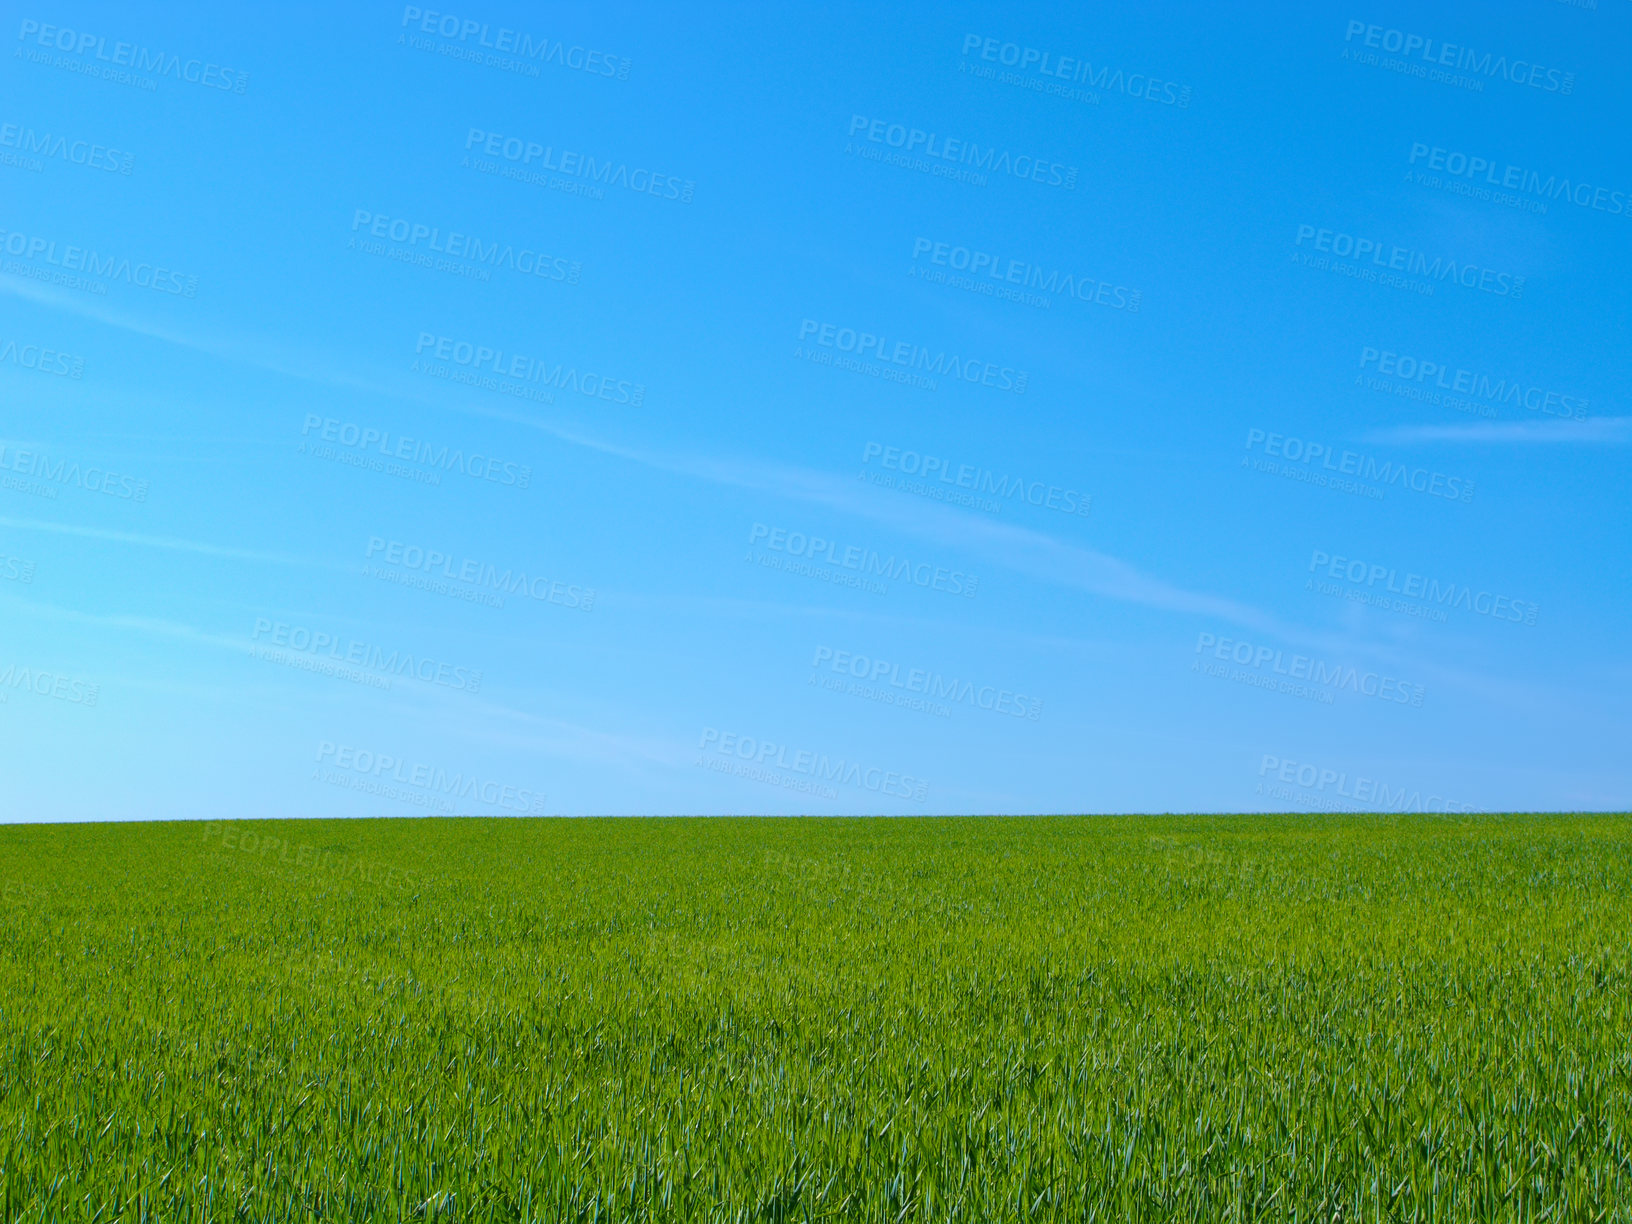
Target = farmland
(1129,1018)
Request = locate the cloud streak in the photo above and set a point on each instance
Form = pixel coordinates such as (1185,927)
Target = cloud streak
(169,543)
(1604,431)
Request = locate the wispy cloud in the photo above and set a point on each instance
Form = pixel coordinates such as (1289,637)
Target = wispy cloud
(257,351)
(1010,546)
(151,625)
(169,543)
(1003,545)
(1032,552)
(1609,431)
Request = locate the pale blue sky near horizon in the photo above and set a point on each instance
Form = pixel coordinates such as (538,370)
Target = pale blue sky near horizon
(1196,624)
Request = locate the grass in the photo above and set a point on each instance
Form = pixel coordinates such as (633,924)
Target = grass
(1230,1018)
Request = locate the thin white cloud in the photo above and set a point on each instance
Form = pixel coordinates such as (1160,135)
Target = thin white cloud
(1009,546)
(480,720)
(251,351)
(1064,564)
(1029,551)
(169,543)
(152,625)
(1610,431)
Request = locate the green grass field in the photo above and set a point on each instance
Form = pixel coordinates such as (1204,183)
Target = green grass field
(1269,1018)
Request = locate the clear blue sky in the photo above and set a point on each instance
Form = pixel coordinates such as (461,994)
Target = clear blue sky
(528,409)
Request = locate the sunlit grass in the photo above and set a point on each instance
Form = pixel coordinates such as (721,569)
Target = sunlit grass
(1276,1018)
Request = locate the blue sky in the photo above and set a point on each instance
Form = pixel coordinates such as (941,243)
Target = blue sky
(1306,331)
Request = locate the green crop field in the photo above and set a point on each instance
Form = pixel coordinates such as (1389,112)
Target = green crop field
(1287,1018)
